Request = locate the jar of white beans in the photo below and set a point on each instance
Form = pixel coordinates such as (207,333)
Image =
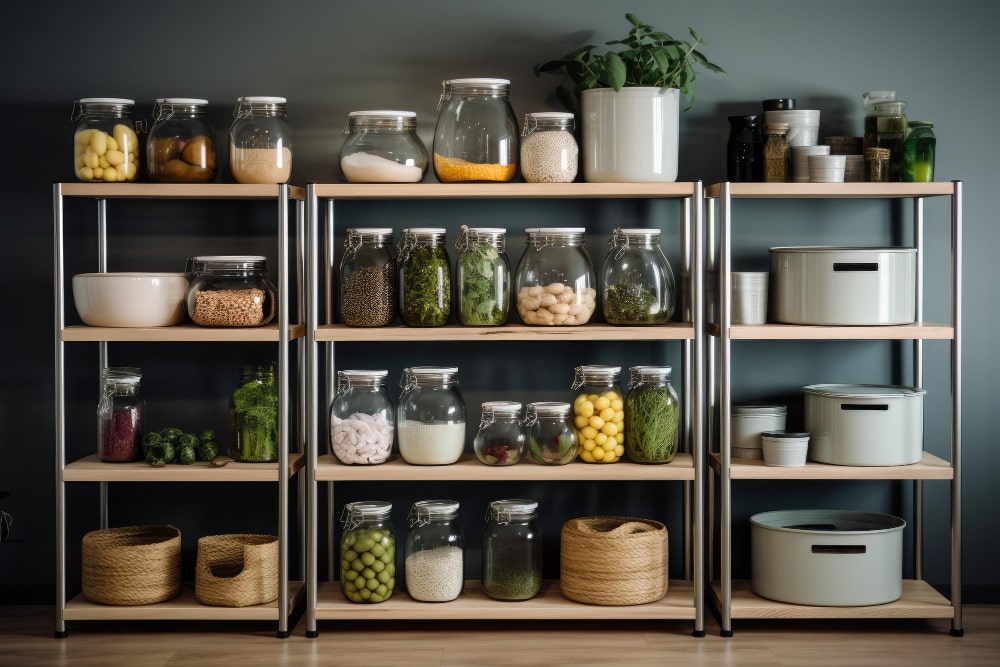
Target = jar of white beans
(361,418)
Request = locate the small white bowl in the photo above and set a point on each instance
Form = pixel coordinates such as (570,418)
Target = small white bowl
(130,299)
(784,448)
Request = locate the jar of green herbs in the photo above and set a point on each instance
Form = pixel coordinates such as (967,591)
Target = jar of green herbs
(483,276)
(424,277)
(652,415)
(253,416)
(637,281)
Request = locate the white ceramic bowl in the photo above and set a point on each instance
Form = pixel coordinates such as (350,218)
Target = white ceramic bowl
(130,299)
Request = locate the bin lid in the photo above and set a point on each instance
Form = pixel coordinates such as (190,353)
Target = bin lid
(863,391)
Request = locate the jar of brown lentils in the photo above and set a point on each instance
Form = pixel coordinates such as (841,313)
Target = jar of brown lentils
(230,291)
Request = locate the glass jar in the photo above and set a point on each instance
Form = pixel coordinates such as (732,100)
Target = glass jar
(745,150)
(424,277)
(253,416)
(260,141)
(776,153)
(119,415)
(483,274)
(555,278)
(599,413)
(877,164)
(652,415)
(638,283)
(368,278)
(476,134)
(500,440)
(549,152)
(512,550)
(362,419)
(367,552)
(919,148)
(430,419)
(885,127)
(230,291)
(105,145)
(383,147)
(434,559)
(551,437)
(180,147)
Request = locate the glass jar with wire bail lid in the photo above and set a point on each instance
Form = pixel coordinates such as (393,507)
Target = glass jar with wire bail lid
(367,552)
(119,415)
(483,276)
(500,440)
(637,281)
(549,152)
(555,278)
(434,563)
(368,278)
(181,145)
(652,415)
(551,438)
(105,145)
(599,413)
(476,135)
(362,418)
(253,415)
(430,417)
(512,550)
(424,277)
(230,291)
(382,146)
(260,141)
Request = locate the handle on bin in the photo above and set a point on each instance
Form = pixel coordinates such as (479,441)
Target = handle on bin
(864,406)
(855,266)
(839,548)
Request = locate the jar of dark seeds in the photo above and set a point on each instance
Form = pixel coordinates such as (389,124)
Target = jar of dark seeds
(368,278)
(512,550)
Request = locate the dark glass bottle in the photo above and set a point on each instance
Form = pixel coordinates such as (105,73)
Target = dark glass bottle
(745,151)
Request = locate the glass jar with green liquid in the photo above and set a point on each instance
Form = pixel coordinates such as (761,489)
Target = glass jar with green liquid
(885,127)
(918,153)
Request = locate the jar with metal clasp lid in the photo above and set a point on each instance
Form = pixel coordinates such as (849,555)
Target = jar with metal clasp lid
(430,418)
(119,415)
(555,278)
(476,136)
(512,550)
(500,440)
(368,278)
(652,415)
(551,438)
(424,277)
(599,413)
(549,152)
(253,415)
(483,276)
(362,418)
(105,145)
(230,291)
(367,552)
(260,141)
(434,559)
(382,146)
(180,147)
(637,281)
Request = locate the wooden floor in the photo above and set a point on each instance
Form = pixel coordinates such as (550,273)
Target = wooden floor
(26,641)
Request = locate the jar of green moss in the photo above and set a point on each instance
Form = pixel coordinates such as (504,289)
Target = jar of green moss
(652,415)
(253,416)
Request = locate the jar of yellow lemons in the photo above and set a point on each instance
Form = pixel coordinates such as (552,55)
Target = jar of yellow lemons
(599,413)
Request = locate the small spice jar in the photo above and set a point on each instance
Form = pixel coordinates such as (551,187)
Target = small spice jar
(512,550)
(919,148)
(119,415)
(434,559)
(500,440)
(362,418)
(483,275)
(260,141)
(598,413)
(253,416)
(105,145)
(776,153)
(430,418)
(368,278)
(424,277)
(367,552)
(549,152)
(555,278)
(745,150)
(383,147)
(551,437)
(637,281)
(476,136)
(652,415)
(877,164)
(230,291)
(180,147)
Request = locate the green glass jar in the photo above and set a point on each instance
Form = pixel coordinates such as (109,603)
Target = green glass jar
(919,148)
(253,416)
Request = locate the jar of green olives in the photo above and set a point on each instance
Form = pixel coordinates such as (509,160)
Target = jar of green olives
(367,552)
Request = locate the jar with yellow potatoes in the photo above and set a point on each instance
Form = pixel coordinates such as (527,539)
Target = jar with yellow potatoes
(105,145)
(599,413)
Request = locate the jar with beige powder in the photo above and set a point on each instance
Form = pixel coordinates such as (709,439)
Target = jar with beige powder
(260,141)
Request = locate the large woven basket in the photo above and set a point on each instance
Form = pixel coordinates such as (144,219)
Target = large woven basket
(132,565)
(237,570)
(613,560)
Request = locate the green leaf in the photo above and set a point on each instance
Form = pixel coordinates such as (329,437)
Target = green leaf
(615,70)
(696,36)
(633,19)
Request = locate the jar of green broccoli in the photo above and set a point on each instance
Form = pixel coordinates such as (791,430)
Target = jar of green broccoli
(253,416)
(651,415)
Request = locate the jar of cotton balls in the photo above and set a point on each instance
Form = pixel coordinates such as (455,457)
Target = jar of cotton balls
(361,418)
(549,153)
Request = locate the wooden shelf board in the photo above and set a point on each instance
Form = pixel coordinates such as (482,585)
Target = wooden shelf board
(925,331)
(919,600)
(180,333)
(469,468)
(929,467)
(184,607)
(93,469)
(831,190)
(176,191)
(504,190)
(474,604)
(341,333)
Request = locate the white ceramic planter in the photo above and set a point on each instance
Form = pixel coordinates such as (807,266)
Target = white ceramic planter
(630,135)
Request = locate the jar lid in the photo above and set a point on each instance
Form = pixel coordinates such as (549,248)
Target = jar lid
(557,230)
(501,511)
(362,378)
(503,407)
(478,82)
(382,112)
(782,435)
(890,106)
(227,263)
(105,100)
(651,372)
(640,231)
(755,409)
(192,101)
(259,99)
(862,391)
(363,373)
(386,119)
(431,370)
(425,511)
(598,370)
(425,230)
(821,249)
(370,230)
(122,374)
(550,408)
(357,512)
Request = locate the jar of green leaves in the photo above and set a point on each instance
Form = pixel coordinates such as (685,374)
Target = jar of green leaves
(651,415)
(253,416)
(638,283)
(483,275)
(424,277)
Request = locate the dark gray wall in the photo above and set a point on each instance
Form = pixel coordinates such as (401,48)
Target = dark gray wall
(330,58)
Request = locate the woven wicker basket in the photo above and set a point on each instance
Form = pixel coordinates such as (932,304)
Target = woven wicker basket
(237,570)
(613,560)
(132,565)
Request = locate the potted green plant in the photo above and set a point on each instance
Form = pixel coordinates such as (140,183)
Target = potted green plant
(629,101)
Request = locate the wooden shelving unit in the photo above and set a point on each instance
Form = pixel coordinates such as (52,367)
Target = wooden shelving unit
(184,607)
(672,331)
(929,467)
(187,333)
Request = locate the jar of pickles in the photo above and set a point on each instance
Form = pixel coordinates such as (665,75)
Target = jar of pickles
(652,415)
(551,438)
(180,147)
(424,277)
(512,550)
(549,152)
(367,552)
(483,270)
(383,147)
(119,415)
(555,278)
(434,560)
(501,440)
(361,418)
(260,141)
(230,291)
(599,413)
(637,281)
(105,145)
(430,419)
(476,136)
(253,416)
(368,278)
